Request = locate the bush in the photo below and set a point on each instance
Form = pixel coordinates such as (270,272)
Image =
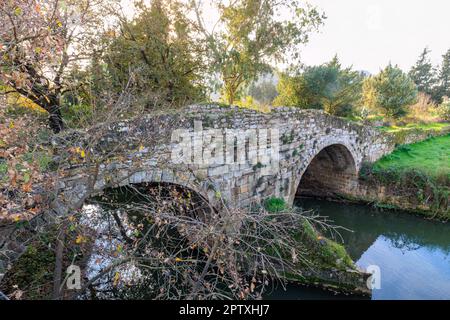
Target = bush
(77,115)
(444,110)
(274,204)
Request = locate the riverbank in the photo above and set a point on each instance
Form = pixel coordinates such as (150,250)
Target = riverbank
(411,252)
(414,177)
(312,259)
(324,262)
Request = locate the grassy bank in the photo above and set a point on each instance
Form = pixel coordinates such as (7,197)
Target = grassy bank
(431,156)
(418,174)
(435,126)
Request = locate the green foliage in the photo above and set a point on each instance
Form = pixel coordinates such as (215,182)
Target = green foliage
(390,91)
(328,252)
(444,110)
(34,268)
(443,88)
(3,170)
(263,92)
(420,170)
(160,50)
(274,204)
(429,127)
(77,115)
(257,166)
(423,73)
(328,87)
(430,156)
(250,34)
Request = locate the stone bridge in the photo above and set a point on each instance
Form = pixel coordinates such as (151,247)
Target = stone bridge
(225,154)
(238,155)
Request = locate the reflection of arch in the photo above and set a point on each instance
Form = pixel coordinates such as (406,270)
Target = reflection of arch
(333,170)
(172,197)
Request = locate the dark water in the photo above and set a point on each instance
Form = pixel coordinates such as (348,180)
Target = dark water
(413,254)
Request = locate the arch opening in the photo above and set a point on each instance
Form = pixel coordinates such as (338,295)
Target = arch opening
(169,196)
(331,172)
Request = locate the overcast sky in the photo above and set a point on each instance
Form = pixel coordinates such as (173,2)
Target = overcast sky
(369,33)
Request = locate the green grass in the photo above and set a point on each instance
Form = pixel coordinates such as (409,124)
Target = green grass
(431,156)
(274,204)
(435,126)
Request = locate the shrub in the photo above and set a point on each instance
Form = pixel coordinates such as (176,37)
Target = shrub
(274,204)
(444,110)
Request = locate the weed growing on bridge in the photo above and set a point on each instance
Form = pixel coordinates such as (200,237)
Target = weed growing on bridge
(274,204)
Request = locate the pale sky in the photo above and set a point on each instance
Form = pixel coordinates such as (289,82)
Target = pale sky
(369,33)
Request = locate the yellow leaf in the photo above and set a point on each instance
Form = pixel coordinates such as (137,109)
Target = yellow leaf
(116,278)
(11,124)
(79,239)
(82,154)
(141,147)
(178,259)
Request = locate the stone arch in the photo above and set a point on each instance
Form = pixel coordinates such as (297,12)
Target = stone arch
(182,199)
(333,170)
(169,176)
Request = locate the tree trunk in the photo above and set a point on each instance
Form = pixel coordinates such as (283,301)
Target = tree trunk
(55,117)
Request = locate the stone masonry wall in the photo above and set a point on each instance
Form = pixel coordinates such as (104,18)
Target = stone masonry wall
(301,134)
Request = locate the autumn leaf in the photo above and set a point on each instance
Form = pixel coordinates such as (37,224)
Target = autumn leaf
(27,187)
(80,239)
(18,11)
(116,279)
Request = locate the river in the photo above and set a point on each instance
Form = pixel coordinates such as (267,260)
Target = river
(412,253)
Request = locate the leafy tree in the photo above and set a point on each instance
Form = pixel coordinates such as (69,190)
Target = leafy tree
(250,35)
(443,89)
(391,91)
(423,73)
(264,91)
(444,110)
(159,47)
(40,41)
(327,87)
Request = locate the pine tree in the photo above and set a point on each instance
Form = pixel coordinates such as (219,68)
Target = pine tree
(423,73)
(391,91)
(443,89)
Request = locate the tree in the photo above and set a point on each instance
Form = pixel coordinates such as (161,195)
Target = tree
(443,89)
(162,51)
(423,73)
(263,91)
(391,90)
(327,87)
(39,43)
(250,35)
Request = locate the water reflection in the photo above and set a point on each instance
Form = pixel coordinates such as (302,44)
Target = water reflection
(412,253)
